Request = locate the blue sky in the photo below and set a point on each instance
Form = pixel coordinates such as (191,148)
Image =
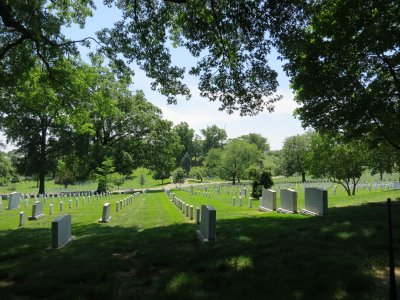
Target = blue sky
(198,112)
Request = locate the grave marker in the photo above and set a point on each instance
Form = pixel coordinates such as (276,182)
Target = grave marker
(315,202)
(61,231)
(288,201)
(37,211)
(21,218)
(13,200)
(207,225)
(268,200)
(106,213)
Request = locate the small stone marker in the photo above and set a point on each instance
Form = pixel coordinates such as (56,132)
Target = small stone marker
(61,206)
(21,218)
(37,211)
(197,215)
(191,212)
(61,231)
(70,203)
(77,202)
(116,206)
(240,201)
(51,209)
(1,205)
(120,204)
(233,201)
(13,200)
(106,213)
(187,210)
(315,202)
(207,225)
(288,201)
(26,203)
(250,202)
(268,200)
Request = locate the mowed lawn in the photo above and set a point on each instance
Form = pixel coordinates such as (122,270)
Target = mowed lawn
(149,251)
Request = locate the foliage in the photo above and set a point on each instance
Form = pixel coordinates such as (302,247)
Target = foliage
(197,172)
(178,175)
(185,163)
(186,136)
(35,114)
(64,175)
(343,61)
(258,140)
(228,39)
(118,180)
(214,137)
(162,142)
(294,154)
(264,180)
(6,169)
(233,160)
(381,158)
(103,173)
(342,163)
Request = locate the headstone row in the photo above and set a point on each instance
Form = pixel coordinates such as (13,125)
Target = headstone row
(316,201)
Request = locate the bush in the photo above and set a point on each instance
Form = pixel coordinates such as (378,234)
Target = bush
(262,180)
(178,176)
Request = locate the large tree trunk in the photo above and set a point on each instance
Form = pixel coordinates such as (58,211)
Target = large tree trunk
(303,176)
(43,160)
(42,178)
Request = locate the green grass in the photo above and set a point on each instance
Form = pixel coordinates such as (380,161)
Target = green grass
(149,251)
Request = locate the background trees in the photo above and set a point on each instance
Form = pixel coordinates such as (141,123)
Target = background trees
(342,163)
(294,154)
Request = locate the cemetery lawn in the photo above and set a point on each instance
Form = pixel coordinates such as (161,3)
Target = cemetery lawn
(149,251)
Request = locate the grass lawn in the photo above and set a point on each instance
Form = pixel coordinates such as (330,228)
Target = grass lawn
(149,251)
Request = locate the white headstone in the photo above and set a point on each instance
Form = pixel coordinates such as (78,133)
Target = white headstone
(106,213)
(207,225)
(61,231)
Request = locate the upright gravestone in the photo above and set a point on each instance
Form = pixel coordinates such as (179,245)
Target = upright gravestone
(191,212)
(233,201)
(197,215)
(37,211)
(240,201)
(268,200)
(207,224)
(106,213)
(21,218)
(61,231)
(288,201)
(315,202)
(13,200)
(51,209)
(61,206)
(250,202)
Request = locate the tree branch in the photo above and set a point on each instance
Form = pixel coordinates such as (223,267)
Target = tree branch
(10,46)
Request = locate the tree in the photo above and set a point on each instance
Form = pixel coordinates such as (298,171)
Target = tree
(233,160)
(258,140)
(35,114)
(343,163)
(227,37)
(64,175)
(381,158)
(294,154)
(118,181)
(161,144)
(186,135)
(214,137)
(197,172)
(263,180)
(6,169)
(343,61)
(103,174)
(178,175)
(185,162)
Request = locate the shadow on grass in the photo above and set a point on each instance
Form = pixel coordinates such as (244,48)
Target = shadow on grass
(268,257)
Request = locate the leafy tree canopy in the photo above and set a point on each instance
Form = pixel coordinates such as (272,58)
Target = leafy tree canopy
(227,37)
